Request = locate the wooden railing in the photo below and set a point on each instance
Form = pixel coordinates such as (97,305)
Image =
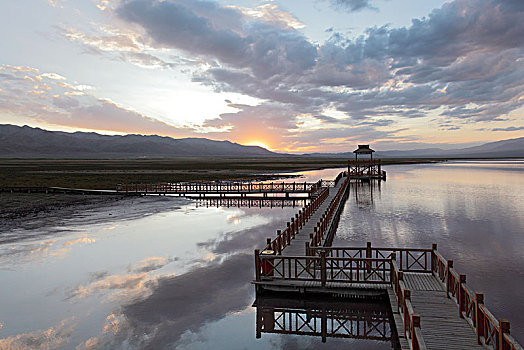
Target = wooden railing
(408,259)
(251,202)
(328,222)
(358,320)
(365,167)
(283,237)
(223,187)
(387,266)
(410,319)
(491,332)
(322,269)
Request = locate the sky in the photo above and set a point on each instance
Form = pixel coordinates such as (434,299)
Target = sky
(289,75)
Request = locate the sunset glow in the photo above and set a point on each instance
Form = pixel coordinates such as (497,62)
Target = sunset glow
(259,144)
(294,76)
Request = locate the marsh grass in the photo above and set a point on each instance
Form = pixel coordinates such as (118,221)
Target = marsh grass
(105,174)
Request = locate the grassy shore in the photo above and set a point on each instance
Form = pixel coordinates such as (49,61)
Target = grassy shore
(105,174)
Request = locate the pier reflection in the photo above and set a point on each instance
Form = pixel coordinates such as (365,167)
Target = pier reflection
(252,202)
(326,318)
(363,192)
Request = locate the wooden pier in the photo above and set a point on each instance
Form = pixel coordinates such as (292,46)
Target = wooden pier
(326,318)
(61,190)
(223,189)
(366,169)
(432,305)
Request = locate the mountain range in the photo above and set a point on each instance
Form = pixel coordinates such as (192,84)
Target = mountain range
(503,148)
(28,142)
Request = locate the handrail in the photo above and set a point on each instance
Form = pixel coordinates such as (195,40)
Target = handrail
(410,259)
(284,237)
(329,220)
(324,265)
(223,187)
(411,320)
(322,269)
(490,331)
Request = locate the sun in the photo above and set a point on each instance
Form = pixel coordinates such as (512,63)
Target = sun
(257,143)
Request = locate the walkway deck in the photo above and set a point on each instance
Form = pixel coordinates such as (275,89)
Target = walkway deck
(298,244)
(441,326)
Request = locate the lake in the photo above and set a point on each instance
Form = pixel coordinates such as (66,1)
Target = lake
(164,272)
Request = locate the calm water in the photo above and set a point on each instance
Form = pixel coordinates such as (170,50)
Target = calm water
(159,272)
(473,210)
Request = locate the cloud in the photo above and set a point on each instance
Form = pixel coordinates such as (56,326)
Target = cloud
(509,128)
(352,5)
(462,64)
(460,54)
(45,99)
(271,13)
(130,286)
(266,49)
(186,302)
(151,264)
(51,338)
(121,45)
(115,332)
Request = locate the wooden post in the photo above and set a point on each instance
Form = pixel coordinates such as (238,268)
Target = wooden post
(407,296)
(479,319)
(368,250)
(392,276)
(323,325)
(279,240)
(311,239)
(415,323)
(504,329)
(323,268)
(400,278)
(307,249)
(434,264)
(461,298)
(257,265)
(449,266)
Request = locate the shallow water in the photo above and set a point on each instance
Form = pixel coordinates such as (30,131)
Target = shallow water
(473,210)
(160,272)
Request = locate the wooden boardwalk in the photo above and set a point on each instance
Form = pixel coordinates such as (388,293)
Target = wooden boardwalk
(432,305)
(223,188)
(441,326)
(298,244)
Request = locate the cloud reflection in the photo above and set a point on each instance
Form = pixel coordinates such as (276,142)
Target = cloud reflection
(186,302)
(51,338)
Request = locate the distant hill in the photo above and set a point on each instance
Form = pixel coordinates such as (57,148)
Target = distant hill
(504,148)
(28,142)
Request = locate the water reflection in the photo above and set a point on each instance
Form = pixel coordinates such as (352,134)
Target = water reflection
(363,193)
(252,202)
(161,272)
(326,317)
(472,210)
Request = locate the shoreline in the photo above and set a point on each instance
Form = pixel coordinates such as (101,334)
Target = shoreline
(106,174)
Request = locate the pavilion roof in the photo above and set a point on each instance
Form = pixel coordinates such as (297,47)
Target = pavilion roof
(363,149)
